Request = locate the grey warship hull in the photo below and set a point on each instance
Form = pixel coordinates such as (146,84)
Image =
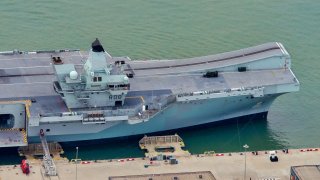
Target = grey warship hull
(176,117)
(162,94)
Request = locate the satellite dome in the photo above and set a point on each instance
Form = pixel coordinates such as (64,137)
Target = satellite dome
(73,75)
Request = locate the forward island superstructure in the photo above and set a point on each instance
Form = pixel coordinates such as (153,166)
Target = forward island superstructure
(72,95)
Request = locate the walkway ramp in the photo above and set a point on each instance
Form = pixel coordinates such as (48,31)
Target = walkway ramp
(49,166)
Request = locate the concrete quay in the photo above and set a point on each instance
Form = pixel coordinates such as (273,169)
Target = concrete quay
(222,166)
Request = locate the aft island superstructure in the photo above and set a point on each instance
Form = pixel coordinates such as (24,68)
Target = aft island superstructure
(72,95)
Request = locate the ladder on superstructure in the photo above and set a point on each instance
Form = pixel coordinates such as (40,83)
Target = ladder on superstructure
(49,166)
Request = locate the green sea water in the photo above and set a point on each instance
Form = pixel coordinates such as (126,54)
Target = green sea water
(154,29)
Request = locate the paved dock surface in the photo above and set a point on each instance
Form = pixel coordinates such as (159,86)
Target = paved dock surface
(223,167)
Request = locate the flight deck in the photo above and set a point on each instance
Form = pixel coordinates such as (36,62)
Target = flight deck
(84,95)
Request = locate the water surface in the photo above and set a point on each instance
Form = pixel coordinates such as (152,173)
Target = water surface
(184,28)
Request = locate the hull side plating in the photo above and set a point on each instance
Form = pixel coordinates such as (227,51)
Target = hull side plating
(176,116)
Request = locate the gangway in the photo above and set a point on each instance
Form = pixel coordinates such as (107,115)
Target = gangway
(49,166)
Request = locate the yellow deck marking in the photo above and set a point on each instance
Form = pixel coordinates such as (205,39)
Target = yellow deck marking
(133,97)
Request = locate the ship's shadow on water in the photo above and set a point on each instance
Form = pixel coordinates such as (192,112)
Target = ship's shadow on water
(9,156)
(229,136)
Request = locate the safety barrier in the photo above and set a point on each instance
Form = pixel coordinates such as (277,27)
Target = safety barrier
(308,150)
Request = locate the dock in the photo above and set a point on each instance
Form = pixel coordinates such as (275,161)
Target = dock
(170,145)
(44,149)
(222,166)
(36,149)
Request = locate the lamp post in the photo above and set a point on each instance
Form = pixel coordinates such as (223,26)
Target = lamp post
(245,160)
(77,148)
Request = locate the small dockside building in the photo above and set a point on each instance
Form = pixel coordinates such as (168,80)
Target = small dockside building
(305,172)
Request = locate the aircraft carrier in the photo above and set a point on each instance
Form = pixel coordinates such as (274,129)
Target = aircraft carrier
(72,95)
